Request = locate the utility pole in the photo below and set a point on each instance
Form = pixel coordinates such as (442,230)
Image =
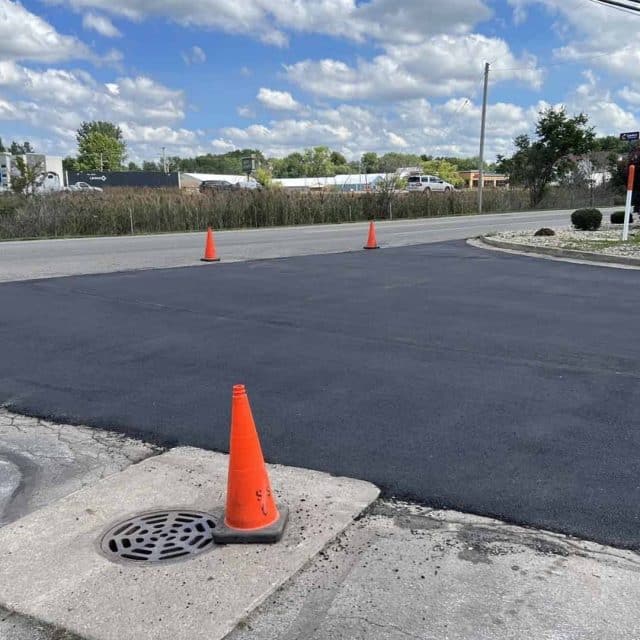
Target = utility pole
(482,132)
(101,163)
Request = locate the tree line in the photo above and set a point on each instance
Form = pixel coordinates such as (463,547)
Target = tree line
(562,151)
(15,148)
(102,147)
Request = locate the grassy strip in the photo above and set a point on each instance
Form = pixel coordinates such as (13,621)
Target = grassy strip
(118,211)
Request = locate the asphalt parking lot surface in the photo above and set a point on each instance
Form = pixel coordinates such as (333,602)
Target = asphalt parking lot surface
(499,385)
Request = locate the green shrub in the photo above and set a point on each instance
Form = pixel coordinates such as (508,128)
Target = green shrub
(586,219)
(617,217)
(545,231)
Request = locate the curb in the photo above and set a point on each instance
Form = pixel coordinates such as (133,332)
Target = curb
(570,254)
(55,574)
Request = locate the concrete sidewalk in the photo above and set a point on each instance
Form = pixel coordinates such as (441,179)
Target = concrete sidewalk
(52,569)
(408,572)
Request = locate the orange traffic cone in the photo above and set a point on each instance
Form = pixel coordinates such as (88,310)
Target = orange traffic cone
(372,243)
(251,514)
(210,249)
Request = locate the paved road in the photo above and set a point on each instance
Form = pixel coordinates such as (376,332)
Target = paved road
(490,383)
(46,258)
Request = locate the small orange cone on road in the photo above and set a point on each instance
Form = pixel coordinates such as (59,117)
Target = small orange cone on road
(251,514)
(372,243)
(210,254)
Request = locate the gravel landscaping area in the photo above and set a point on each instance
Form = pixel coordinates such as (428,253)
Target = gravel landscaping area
(605,241)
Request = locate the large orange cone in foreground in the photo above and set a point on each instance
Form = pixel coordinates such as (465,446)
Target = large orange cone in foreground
(210,254)
(372,243)
(251,514)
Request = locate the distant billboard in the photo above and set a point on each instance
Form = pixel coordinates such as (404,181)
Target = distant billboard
(153,179)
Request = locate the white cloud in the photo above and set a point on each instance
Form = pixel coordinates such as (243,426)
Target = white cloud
(100,24)
(8,111)
(594,33)
(441,66)
(604,113)
(58,100)
(222,146)
(395,140)
(277,100)
(415,126)
(25,36)
(386,21)
(166,136)
(194,56)
(630,95)
(245,111)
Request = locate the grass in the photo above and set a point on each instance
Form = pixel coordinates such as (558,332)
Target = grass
(118,211)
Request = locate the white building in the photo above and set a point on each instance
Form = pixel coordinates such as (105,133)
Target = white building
(50,167)
(343,182)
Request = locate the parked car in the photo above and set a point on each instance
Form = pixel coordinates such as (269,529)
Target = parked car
(248,184)
(225,185)
(82,186)
(215,185)
(428,183)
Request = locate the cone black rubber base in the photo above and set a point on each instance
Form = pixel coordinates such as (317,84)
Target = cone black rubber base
(371,247)
(209,260)
(226,535)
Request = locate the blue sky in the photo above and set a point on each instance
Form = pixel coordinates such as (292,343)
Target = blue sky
(282,75)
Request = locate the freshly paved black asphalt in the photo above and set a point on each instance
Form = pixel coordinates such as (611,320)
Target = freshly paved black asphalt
(495,384)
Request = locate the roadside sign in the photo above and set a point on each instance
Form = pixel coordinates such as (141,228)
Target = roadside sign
(630,136)
(249,165)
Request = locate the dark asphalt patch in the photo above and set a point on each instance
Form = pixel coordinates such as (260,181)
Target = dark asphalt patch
(500,385)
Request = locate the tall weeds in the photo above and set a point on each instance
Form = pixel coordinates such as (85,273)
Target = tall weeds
(116,211)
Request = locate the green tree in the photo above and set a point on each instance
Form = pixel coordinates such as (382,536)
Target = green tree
(173,163)
(337,159)
(444,169)
(552,155)
(27,177)
(148,165)
(263,176)
(132,166)
(17,149)
(291,166)
(613,144)
(467,164)
(370,162)
(2,147)
(317,162)
(70,164)
(393,160)
(101,146)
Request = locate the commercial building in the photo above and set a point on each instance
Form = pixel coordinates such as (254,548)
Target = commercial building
(472,179)
(49,168)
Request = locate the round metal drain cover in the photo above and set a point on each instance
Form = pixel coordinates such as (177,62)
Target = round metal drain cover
(159,536)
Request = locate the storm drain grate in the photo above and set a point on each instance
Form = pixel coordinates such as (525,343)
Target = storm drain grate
(159,536)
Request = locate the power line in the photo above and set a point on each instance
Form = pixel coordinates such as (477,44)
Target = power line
(620,6)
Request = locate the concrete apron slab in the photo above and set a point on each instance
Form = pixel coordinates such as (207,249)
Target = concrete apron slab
(51,569)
